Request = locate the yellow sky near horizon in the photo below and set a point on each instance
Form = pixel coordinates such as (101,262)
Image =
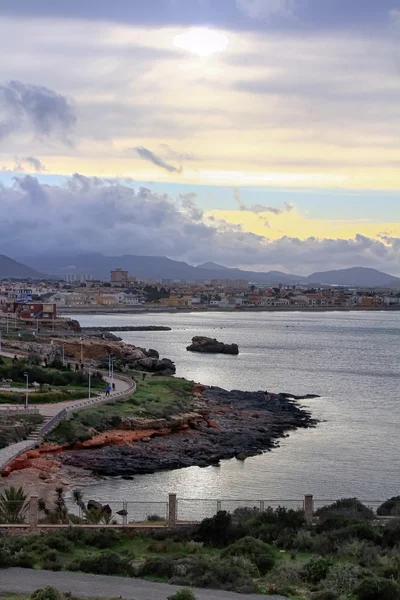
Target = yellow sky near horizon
(295,224)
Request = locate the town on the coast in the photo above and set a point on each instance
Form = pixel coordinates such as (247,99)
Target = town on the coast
(124,292)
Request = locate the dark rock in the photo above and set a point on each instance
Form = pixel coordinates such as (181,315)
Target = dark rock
(236,433)
(212,346)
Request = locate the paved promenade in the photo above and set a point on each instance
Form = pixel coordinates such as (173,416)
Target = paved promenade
(26,581)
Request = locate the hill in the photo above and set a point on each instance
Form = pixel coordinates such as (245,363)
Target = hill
(11,269)
(356,276)
(156,267)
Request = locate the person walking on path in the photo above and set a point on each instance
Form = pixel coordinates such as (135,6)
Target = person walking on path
(108,389)
(113,386)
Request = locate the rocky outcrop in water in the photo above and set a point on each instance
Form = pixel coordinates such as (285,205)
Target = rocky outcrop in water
(230,424)
(211,346)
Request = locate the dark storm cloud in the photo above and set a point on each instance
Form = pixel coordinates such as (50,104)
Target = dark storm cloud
(96,215)
(156,160)
(44,110)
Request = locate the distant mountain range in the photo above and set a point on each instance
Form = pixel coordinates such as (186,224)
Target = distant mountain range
(11,269)
(160,267)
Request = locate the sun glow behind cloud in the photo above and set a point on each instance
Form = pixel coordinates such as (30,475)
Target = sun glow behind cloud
(203,41)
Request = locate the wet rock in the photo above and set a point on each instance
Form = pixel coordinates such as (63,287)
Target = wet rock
(212,346)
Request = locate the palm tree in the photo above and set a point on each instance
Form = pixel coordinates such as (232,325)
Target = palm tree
(13,505)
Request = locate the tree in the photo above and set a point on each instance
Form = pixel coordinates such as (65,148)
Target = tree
(13,505)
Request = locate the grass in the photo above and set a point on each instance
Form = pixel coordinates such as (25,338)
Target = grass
(156,397)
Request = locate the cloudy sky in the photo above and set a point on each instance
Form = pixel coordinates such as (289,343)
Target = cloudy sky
(255,133)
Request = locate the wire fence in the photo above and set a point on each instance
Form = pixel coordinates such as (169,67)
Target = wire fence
(184,510)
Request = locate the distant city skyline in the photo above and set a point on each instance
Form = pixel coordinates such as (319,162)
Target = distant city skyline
(262,134)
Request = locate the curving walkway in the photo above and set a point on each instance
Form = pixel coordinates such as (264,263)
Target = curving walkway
(26,581)
(54,413)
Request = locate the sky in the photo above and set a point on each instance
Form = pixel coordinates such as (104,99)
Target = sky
(263,134)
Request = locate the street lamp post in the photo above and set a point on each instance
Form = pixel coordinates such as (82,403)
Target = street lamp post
(90,377)
(0,340)
(81,339)
(109,365)
(112,374)
(27,390)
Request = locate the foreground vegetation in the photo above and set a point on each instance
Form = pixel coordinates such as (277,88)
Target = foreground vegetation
(156,397)
(346,554)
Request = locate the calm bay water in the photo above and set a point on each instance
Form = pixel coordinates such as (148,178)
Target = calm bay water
(350,359)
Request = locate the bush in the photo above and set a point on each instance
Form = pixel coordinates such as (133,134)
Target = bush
(60,543)
(286,573)
(157,567)
(256,551)
(48,593)
(316,569)
(271,524)
(102,539)
(234,574)
(372,588)
(390,508)
(342,578)
(52,565)
(350,507)
(391,534)
(106,563)
(325,595)
(216,531)
(185,594)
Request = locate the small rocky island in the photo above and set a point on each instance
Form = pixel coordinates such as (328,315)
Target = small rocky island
(211,346)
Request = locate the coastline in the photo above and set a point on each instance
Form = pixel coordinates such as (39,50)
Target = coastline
(91,310)
(222,425)
(214,425)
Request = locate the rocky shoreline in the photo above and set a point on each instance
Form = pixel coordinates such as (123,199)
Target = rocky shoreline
(90,330)
(229,424)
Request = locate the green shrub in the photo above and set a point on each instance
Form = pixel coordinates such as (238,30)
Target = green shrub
(316,569)
(390,508)
(342,578)
(102,539)
(185,594)
(256,551)
(325,595)
(60,543)
(391,534)
(52,565)
(157,567)
(374,588)
(216,531)
(286,573)
(229,574)
(348,507)
(106,563)
(48,593)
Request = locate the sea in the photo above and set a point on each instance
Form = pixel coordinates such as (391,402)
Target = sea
(351,360)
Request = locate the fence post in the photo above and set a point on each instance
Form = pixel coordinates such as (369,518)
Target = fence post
(33,512)
(125,514)
(172,510)
(309,507)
